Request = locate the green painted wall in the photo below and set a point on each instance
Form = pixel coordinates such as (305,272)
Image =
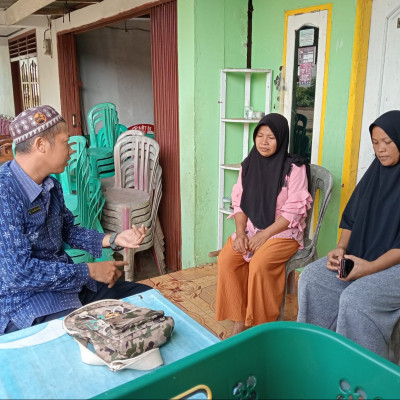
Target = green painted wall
(212,35)
(268,32)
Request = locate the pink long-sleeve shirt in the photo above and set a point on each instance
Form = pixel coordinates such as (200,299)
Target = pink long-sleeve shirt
(292,203)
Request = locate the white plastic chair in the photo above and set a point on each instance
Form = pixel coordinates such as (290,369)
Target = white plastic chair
(136,192)
(322,180)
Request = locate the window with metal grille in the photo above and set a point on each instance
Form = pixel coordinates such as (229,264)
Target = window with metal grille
(22,46)
(29,82)
(23,50)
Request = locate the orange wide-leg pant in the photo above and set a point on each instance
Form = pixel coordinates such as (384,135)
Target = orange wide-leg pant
(252,291)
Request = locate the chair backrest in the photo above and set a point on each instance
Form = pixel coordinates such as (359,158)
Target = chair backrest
(103,125)
(303,119)
(301,142)
(136,161)
(95,206)
(6,147)
(68,178)
(147,129)
(5,121)
(132,131)
(322,181)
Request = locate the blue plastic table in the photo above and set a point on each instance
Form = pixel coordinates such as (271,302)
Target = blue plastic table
(54,369)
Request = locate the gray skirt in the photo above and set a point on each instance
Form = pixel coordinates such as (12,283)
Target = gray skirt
(365,310)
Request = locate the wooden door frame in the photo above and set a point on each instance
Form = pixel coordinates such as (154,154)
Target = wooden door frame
(169,199)
(69,82)
(17,90)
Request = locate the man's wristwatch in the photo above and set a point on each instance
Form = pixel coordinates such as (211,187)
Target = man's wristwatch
(113,245)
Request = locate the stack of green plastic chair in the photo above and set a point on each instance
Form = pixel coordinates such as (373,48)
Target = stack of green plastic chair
(104,129)
(83,196)
(75,181)
(95,209)
(71,182)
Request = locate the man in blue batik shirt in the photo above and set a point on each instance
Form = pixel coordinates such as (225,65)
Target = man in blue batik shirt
(38,280)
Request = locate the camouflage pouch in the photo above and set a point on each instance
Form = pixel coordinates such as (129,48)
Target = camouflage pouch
(122,334)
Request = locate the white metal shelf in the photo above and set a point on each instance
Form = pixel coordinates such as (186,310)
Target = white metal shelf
(252,71)
(241,120)
(246,127)
(233,167)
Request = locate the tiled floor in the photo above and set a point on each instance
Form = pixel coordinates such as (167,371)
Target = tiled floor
(194,291)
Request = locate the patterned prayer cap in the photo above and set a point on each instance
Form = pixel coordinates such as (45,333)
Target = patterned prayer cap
(32,122)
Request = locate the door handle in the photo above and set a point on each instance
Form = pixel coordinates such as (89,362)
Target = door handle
(74,120)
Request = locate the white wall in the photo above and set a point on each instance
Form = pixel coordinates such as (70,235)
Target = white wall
(48,67)
(6,90)
(115,66)
(49,83)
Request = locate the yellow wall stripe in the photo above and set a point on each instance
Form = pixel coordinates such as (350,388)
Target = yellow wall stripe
(356,100)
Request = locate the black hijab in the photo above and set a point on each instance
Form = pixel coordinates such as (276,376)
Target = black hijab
(373,211)
(263,177)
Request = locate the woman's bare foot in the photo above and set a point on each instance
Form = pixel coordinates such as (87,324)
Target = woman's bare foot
(238,326)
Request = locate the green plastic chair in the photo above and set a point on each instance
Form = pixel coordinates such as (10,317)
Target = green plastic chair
(91,208)
(69,176)
(301,143)
(74,179)
(90,205)
(79,256)
(102,116)
(104,129)
(92,215)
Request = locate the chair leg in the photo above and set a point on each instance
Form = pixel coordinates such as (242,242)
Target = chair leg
(282,309)
(138,264)
(291,282)
(129,269)
(156,260)
(129,254)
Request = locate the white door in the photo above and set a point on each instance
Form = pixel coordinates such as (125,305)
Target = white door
(382,87)
(317,19)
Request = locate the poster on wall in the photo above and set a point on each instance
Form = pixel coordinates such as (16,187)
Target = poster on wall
(306,57)
(306,37)
(305,75)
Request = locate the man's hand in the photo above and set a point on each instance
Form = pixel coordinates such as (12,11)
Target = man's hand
(131,238)
(241,243)
(334,258)
(257,241)
(106,271)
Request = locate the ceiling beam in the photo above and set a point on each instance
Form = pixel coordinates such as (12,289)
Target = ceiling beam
(79,1)
(37,21)
(51,11)
(22,9)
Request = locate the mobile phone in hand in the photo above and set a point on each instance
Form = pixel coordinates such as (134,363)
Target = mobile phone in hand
(346,266)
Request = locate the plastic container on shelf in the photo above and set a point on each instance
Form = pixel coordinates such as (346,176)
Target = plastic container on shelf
(278,360)
(227,203)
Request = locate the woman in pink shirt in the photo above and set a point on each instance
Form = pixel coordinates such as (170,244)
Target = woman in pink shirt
(270,201)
